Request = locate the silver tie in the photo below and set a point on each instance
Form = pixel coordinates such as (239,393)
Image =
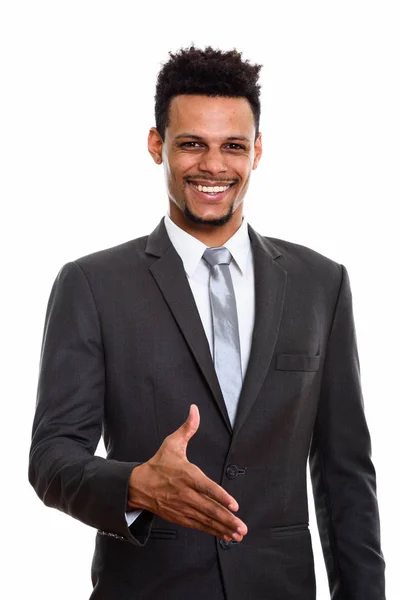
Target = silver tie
(226,341)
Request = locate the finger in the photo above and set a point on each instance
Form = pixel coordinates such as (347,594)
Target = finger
(191,425)
(208,511)
(216,531)
(198,526)
(187,430)
(211,512)
(192,518)
(204,485)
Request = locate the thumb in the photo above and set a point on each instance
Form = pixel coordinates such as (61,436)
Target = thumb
(187,430)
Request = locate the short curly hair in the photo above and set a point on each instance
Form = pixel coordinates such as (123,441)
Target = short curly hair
(208,72)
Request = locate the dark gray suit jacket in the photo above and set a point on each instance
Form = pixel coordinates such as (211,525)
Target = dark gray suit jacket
(124,355)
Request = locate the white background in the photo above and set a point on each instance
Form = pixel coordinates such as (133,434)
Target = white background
(78,80)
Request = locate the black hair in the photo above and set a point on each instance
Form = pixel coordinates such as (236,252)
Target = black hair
(206,72)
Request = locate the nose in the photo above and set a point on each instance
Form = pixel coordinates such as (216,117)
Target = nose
(212,161)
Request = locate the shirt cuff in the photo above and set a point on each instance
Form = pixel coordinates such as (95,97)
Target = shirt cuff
(132,515)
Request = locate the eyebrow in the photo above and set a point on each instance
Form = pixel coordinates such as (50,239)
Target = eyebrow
(241,138)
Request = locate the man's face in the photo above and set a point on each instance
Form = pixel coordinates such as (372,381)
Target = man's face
(208,154)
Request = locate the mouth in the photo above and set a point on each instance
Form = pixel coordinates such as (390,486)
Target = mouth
(211,192)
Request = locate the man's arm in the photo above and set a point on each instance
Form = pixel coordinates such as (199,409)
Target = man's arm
(69,415)
(342,473)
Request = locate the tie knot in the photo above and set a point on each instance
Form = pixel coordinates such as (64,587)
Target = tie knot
(217,256)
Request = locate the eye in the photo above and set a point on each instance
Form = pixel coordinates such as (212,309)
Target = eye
(235,147)
(190,145)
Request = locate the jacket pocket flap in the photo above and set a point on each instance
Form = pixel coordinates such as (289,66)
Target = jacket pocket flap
(163,534)
(297,362)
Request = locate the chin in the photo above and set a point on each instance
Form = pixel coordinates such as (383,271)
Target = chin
(216,220)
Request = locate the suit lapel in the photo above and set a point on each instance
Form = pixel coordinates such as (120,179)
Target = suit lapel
(270,288)
(170,276)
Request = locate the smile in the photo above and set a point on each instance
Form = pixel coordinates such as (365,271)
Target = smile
(211,190)
(215,191)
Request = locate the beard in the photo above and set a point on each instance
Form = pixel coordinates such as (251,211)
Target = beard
(215,222)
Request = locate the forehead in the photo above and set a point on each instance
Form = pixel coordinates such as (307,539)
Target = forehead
(202,115)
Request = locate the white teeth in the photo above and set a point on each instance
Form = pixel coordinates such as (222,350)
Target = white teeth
(212,190)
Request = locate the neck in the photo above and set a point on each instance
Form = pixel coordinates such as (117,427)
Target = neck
(211,235)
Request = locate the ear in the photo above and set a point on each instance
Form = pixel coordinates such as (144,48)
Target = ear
(154,145)
(257,151)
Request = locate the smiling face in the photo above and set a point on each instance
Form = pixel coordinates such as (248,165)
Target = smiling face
(208,154)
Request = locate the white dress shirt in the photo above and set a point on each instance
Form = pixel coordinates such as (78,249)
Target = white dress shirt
(191,250)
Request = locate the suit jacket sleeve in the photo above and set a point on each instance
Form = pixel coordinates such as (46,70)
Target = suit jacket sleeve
(69,416)
(343,476)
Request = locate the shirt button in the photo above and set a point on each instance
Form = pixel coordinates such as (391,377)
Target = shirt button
(232,471)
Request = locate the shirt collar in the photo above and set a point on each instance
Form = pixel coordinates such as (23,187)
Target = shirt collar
(191,250)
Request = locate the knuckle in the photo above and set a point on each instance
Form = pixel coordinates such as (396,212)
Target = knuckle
(185,498)
(189,522)
(209,521)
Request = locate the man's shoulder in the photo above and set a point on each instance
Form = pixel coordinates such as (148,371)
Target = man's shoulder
(293,249)
(295,257)
(127,253)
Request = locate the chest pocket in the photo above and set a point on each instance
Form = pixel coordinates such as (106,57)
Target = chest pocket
(296,362)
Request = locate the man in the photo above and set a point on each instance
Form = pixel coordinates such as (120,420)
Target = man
(215,361)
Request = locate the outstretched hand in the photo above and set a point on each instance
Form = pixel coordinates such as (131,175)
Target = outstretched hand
(173,488)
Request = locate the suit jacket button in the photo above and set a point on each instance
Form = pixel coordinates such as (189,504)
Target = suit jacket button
(224,544)
(232,471)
